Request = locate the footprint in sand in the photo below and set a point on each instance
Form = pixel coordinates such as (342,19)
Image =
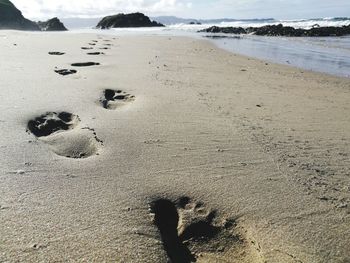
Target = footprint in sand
(85,64)
(65,72)
(61,132)
(113,99)
(54,53)
(92,44)
(105,48)
(86,48)
(189,232)
(95,53)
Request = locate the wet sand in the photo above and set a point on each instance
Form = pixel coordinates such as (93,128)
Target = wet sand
(164,147)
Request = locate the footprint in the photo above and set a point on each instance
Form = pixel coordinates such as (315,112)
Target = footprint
(52,122)
(86,48)
(112,99)
(56,53)
(95,41)
(65,72)
(189,230)
(95,53)
(105,48)
(92,44)
(61,132)
(85,64)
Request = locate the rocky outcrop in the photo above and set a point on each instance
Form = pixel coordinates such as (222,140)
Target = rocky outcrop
(280,30)
(53,24)
(225,30)
(12,18)
(127,20)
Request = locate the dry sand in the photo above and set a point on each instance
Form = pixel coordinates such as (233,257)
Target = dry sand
(207,154)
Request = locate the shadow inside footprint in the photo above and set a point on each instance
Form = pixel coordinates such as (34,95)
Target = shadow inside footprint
(111,98)
(56,53)
(201,230)
(86,48)
(95,53)
(85,64)
(65,72)
(167,220)
(50,122)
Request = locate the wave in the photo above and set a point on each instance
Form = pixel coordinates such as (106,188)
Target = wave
(296,23)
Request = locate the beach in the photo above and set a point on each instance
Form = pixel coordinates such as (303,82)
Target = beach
(256,152)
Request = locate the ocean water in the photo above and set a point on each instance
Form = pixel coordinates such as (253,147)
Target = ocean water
(327,55)
(321,54)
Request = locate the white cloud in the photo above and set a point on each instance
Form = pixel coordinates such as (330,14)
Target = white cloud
(42,9)
(87,8)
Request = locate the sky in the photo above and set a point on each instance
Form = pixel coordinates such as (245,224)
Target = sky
(279,9)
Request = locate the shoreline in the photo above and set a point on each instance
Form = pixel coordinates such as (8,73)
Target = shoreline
(263,145)
(319,54)
(326,55)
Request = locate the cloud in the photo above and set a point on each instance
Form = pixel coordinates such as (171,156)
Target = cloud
(40,9)
(93,8)
(281,9)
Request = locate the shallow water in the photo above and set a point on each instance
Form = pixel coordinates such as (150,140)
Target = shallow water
(328,55)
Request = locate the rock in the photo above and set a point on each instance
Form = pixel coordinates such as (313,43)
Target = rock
(226,30)
(12,18)
(127,20)
(280,30)
(53,24)
(194,23)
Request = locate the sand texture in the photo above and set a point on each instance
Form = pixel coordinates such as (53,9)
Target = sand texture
(150,148)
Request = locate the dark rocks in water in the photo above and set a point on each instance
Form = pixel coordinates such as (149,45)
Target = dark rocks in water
(280,30)
(53,24)
(194,23)
(329,31)
(225,30)
(12,18)
(275,30)
(127,20)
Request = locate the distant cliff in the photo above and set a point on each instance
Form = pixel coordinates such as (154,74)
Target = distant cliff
(127,20)
(171,20)
(53,24)
(12,18)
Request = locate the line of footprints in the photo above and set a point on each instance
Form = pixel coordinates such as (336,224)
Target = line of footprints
(63,132)
(187,229)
